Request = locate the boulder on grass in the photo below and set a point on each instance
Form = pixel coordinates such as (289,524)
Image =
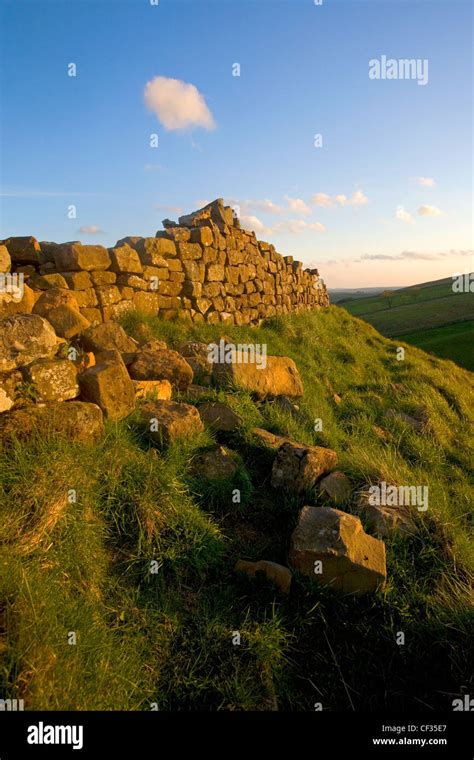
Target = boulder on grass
(108,385)
(52,379)
(279,376)
(107,336)
(161,364)
(270,440)
(74,420)
(332,548)
(336,487)
(167,421)
(220,417)
(278,574)
(67,321)
(384,521)
(23,339)
(298,467)
(159,389)
(215,464)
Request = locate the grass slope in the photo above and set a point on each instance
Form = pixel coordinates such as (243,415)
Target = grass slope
(81,528)
(455,342)
(417,313)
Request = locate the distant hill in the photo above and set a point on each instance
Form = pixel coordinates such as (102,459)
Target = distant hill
(340,295)
(428,315)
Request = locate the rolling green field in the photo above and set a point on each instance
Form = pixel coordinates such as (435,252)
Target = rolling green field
(166,639)
(421,315)
(455,342)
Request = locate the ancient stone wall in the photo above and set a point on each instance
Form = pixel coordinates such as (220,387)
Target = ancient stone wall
(203,268)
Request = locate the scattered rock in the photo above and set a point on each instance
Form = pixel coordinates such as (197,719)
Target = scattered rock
(108,385)
(107,336)
(332,548)
(17,303)
(167,421)
(52,298)
(215,464)
(384,521)
(24,338)
(270,440)
(298,467)
(159,389)
(219,417)
(73,420)
(279,377)
(286,405)
(336,486)
(6,402)
(5,260)
(161,364)
(52,379)
(278,574)
(67,321)
(196,392)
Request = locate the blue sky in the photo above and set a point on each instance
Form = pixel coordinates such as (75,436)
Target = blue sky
(386,200)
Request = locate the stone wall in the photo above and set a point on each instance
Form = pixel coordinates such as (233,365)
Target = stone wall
(203,268)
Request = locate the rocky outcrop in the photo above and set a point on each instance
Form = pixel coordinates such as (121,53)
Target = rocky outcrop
(332,548)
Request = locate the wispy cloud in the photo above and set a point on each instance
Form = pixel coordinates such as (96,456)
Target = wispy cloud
(324,200)
(429,211)
(91,229)
(153,167)
(403,215)
(298,206)
(425,181)
(288,226)
(177,105)
(402,256)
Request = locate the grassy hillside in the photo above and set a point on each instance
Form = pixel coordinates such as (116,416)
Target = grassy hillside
(455,342)
(167,637)
(417,313)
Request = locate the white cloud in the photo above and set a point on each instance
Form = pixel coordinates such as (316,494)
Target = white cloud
(425,181)
(289,226)
(248,207)
(91,229)
(177,104)
(326,201)
(254,223)
(403,215)
(429,211)
(322,199)
(298,206)
(296,226)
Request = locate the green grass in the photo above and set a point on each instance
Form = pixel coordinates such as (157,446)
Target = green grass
(454,342)
(166,637)
(430,316)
